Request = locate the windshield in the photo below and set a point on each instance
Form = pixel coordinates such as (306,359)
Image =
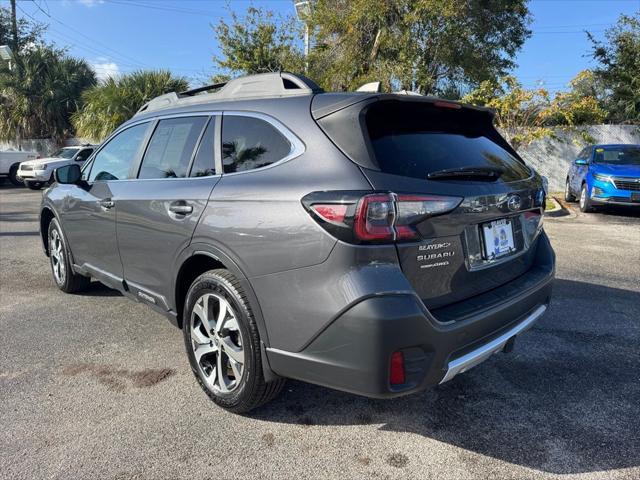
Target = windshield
(626,155)
(65,153)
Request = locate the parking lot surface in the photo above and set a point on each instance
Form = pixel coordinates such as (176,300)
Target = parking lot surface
(96,386)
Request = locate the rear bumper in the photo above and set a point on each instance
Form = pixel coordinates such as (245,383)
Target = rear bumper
(352,354)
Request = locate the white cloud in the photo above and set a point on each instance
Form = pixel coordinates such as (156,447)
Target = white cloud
(105,70)
(90,3)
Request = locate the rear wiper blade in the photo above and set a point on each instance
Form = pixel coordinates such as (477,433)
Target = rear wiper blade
(486,172)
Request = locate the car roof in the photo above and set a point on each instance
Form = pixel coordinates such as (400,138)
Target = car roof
(243,92)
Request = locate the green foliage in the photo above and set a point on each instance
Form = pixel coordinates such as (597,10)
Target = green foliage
(114,101)
(41,92)
(520,113)
(619,68)
(257,43)
(526,115)
(428,46)
(582,105)
(29,33)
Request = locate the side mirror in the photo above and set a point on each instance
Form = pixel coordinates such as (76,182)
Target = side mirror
(69,174)
(581,161)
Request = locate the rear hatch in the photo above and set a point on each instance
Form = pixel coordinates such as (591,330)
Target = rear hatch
(422,146)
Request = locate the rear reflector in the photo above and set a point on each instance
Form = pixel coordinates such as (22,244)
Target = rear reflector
(396,369)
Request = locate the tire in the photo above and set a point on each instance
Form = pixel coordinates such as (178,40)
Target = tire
(586,205)
(208,337)
(33,185)
(568,196)
(63,275)
(13,175)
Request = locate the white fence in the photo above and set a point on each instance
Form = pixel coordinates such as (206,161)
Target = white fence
(44,146)
(552,157)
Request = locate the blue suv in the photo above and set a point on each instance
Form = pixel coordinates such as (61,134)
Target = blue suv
(605,174)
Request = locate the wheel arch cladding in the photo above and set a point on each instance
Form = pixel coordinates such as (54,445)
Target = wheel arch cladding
(192,268)
(45,219)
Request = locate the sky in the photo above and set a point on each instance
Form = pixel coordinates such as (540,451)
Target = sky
(119,36)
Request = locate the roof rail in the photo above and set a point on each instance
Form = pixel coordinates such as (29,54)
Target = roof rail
(276,84)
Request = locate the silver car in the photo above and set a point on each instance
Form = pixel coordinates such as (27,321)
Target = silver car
(373,243)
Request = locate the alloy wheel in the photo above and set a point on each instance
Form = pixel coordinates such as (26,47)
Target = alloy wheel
(583,197)
(57,257)
(217,343)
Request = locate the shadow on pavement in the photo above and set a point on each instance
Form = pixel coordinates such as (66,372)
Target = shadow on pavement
(566,401)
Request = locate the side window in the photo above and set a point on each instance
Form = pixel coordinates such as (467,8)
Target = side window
(249,143)
(171,147)
(114,160)
(204,164)
(84,154)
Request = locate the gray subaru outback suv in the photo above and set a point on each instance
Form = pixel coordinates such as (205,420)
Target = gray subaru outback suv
(373,243)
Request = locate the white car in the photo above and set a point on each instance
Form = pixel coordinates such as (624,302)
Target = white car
(35,173)
(10,161)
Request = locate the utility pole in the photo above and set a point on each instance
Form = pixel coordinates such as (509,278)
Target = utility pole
(14,27)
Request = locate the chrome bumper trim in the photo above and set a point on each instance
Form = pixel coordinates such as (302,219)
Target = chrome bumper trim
(480,354)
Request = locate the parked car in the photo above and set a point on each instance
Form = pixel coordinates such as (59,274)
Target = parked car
(36,173)
(10,162)
(605,175)
(373,243)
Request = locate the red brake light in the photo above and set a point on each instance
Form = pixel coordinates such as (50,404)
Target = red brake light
(331,213)
(442,104)
(396,369)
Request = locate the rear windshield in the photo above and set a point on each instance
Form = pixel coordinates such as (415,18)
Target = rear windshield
(415,139)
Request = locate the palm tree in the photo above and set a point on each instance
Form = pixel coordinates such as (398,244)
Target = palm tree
(115,100)
(40,93)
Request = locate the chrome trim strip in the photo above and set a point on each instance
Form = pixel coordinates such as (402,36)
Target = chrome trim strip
(482,353)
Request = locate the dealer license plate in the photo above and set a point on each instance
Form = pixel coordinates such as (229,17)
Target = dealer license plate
(498,238)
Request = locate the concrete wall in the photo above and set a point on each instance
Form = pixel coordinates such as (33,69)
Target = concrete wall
(552,157)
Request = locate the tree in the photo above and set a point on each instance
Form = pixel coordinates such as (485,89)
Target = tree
(38,96)
(29,33)
(114,101)
(257,44)
(619,68)
(581,105)
(520,113)
(429,46)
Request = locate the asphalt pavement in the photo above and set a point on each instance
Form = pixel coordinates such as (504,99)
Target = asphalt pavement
(96,386)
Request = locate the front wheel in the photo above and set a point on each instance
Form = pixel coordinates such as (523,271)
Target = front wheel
(66,279)
(568,196)
(33,185)
(223,343)
(13,176)
(585,202)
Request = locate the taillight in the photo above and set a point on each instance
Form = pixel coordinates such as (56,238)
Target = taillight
(374,218)
(359,217)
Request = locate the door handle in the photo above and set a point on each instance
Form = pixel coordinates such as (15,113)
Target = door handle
(180,208)
(107,203)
